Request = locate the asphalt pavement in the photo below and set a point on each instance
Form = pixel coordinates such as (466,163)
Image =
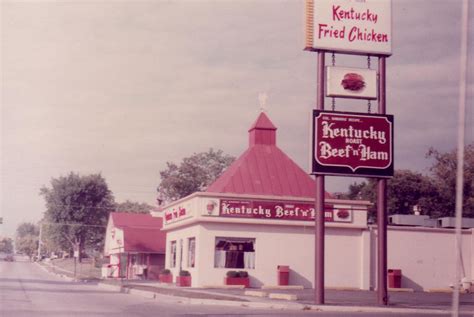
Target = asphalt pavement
(335,300)
(27,289)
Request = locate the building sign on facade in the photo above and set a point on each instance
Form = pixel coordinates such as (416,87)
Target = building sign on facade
(174,214)
(352,144)
(347,82)
(349,26)
(303,211)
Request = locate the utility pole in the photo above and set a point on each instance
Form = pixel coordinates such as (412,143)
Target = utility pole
(40,242)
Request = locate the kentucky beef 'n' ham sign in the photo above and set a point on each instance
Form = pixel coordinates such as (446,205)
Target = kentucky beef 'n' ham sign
(352,144)
(257,209)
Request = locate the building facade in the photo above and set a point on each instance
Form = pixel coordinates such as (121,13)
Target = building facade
(260,215)
(135,246)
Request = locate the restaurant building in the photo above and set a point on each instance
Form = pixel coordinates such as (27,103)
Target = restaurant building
(258,215)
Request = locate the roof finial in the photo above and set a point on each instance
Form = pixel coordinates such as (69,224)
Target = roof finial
(262,98)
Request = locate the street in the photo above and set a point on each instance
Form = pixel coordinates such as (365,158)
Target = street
(27,290)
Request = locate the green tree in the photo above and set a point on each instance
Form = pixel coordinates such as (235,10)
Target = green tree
(444,177)
(133,207)
(405,190)
(193,174)
(77,209)
(434,193)
(6,245)
(26,240)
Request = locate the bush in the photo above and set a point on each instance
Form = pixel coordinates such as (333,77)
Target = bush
(243,274)
(232,274)
(184,273)
(165,272)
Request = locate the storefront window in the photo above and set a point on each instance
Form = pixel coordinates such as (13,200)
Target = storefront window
(191,251)
(235,253)
(173,254)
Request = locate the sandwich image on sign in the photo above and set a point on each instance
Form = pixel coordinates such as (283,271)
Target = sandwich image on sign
(353,82)
(346,82)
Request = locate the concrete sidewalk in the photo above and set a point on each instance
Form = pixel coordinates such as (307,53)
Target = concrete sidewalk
(290,299)
(299,299)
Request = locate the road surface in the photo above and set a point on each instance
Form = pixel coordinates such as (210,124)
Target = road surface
(27,290)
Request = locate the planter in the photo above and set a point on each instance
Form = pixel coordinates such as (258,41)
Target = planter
(166,278)
(183,281)
(237,281)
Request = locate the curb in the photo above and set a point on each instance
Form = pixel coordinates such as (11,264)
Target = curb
(407,290)
(224,286)
(283,296)
(272,304)
(283,287)
(259,305)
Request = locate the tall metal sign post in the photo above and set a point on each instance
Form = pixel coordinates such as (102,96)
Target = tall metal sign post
(351,144)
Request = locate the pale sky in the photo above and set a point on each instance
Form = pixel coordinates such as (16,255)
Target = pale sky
(122,87)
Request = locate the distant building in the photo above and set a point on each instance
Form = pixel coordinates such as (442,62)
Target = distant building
(135,245)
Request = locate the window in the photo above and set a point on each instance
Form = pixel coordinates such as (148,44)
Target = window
(173,254)
(235,253)
(191,251)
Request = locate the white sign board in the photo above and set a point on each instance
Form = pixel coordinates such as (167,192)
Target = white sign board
(347,82)
(349,26)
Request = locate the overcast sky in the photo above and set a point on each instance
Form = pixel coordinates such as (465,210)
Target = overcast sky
(122,87)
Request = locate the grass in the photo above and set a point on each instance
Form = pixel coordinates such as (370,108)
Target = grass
(85,270)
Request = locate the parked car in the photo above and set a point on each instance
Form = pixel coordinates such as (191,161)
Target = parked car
(9,258)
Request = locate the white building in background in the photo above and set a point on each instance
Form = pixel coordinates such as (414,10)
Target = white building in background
(260,214)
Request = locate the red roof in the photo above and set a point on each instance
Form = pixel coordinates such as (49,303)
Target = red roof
(264,169)
(128,219)
(142,232)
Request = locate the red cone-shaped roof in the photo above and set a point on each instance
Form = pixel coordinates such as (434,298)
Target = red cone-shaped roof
(264,169)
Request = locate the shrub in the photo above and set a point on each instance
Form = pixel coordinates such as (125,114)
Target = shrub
(243,274)
(184,273)
(165,272)
(232,274)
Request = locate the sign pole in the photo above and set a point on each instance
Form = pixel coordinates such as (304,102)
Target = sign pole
(319,204)
(382,294)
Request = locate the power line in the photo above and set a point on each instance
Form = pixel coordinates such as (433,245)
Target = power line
(70,224)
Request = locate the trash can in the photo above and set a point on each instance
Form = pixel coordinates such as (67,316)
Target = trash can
(394,278)
(283,274)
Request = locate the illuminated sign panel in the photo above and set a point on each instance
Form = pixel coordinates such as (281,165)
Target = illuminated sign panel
(349,26)
(278,210)
(352,144)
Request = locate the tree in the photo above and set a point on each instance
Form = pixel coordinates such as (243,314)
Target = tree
(26,240)
(77,210)
(444,175)
(6,245)
(133,207)
(434,194)
(194,173)
(405,190)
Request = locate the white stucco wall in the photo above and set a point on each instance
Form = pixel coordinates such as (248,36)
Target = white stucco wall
(113,242)
(183,235)
(274,245)
(427,256)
